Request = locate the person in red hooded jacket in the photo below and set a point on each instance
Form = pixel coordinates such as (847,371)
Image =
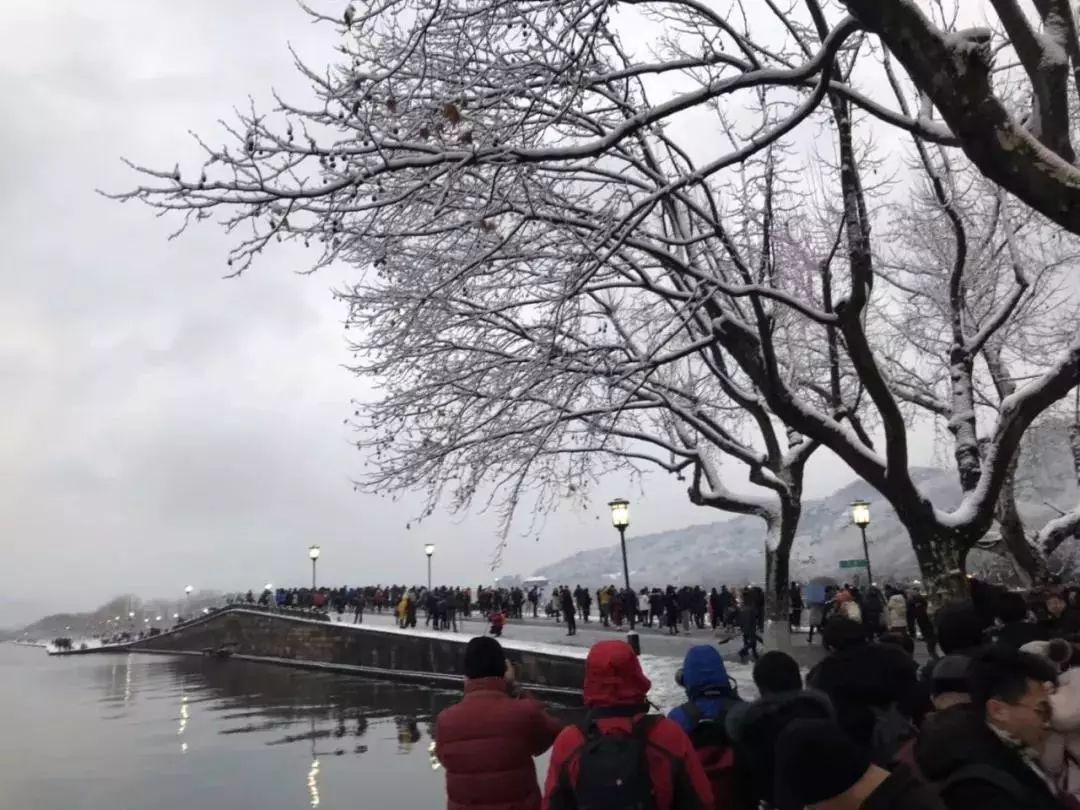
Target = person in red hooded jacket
(615,694)
(487,742)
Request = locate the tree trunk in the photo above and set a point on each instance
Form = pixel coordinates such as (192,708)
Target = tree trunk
(1030,566)
(941,557)
(778,575)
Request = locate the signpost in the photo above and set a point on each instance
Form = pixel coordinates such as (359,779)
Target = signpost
(853,564)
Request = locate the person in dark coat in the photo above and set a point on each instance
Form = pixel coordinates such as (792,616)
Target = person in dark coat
(873,607)
(755,596)
(671,609)
(984,755)
(753,729)
(749,621)
(727,605)
(566,603)
(958,632)
(615,694)
(487,742)
(795,619)
(818,766)
(716,612)
(919,617)
(777,672)
(864,681)
(1016,630)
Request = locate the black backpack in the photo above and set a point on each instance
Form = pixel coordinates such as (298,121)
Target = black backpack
(716,755)
(613,769)
(891,730)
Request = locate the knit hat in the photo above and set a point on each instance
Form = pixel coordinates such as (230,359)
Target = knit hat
(484,658)
(776,672)
(815,761)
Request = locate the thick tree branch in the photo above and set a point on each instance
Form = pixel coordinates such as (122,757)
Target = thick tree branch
(953,70)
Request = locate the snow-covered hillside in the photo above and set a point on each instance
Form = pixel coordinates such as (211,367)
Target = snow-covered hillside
(731,550)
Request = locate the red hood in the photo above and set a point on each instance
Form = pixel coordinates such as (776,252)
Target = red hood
(613,676)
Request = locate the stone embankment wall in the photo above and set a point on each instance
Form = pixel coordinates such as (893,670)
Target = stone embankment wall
(364,650)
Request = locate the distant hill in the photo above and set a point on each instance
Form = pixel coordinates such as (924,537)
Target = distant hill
(731,550)
(103,620)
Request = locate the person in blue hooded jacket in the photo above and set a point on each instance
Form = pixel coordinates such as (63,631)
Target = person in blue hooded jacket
(710,692)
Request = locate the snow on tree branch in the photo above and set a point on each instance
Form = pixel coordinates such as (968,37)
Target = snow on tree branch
(590,234)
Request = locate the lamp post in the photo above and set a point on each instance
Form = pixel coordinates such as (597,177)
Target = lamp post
(429,549)
(313,552)
(620,519)
(860,516)
(187,600)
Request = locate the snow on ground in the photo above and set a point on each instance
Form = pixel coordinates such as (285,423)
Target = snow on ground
(461,636)
(77,644)
(659,669)
(666,694)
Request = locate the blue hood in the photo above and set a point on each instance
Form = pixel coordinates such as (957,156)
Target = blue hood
(703,668)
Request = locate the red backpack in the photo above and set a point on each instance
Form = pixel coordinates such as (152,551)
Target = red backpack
(716,755)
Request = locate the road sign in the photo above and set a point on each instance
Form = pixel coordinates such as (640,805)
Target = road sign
(853,563)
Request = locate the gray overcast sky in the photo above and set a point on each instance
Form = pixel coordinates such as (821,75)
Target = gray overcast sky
(159,425)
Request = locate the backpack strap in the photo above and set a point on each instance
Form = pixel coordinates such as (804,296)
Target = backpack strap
(981,772)
(692,712)
(588,725)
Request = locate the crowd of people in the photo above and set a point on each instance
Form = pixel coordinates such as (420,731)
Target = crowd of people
(992,722)
(670,608)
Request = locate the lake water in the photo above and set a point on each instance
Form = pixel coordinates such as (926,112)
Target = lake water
(134,732)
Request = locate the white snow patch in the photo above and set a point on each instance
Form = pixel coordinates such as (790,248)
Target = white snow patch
(77,644)
(667,694)
(446,635)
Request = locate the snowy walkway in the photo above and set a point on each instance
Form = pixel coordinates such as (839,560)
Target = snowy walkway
(660,669)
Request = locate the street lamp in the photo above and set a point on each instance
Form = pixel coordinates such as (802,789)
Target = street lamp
(620,519)
(429,549)
(860,516)
(313,552)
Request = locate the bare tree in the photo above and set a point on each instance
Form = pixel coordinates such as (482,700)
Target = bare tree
(1029,152)
(478,154)
(976,297)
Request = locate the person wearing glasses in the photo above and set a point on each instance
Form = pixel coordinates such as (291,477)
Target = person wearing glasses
(986,754)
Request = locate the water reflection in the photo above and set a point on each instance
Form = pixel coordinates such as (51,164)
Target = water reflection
(199,733)
(408,733)
(313,772)
(330,714)
(185,713)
